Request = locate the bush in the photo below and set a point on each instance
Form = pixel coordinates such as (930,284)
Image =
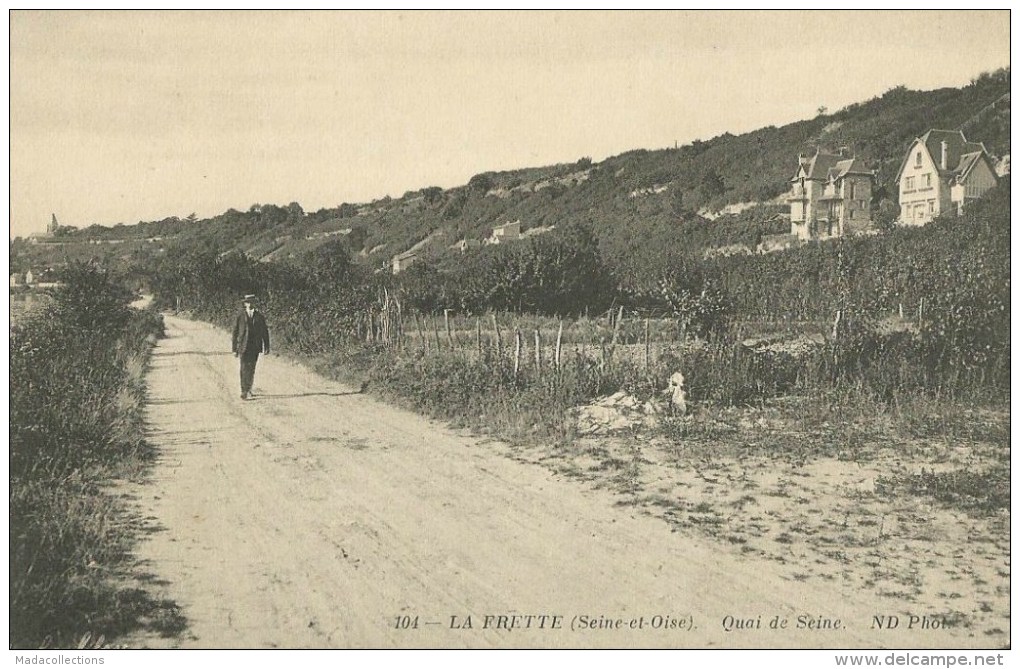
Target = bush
(75,421)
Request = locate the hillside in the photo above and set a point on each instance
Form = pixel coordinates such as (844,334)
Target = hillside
(645,207)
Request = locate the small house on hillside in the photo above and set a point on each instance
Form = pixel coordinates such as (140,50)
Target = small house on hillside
(404,260)
(508,232)
(830,197)
(942,172)
(466,245)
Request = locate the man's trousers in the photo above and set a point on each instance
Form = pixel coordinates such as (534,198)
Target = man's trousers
(248,371)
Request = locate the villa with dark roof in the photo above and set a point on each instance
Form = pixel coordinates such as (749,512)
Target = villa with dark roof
(942,172)
(830,197)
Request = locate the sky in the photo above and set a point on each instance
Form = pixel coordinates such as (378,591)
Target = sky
(120,117)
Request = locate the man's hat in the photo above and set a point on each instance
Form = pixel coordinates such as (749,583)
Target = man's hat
(249,298)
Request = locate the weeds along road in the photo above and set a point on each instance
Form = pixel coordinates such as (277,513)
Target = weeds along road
(313,516)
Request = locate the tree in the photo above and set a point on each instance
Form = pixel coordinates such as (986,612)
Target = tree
(556,273)
(432,195)
(92,298)
(331,264)
(294,214)
(423,288)
(886,215)
(712,184)
(676,203)
(481,183)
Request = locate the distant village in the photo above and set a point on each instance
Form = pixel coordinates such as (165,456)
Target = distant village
(830,196)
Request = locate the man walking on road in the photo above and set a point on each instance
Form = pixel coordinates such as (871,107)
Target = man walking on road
(251,337)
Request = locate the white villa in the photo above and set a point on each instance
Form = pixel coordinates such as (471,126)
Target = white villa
(942,172)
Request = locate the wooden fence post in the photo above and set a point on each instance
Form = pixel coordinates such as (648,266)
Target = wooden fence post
(435,328)
(517,353)
(647,348)
(399,324)
(616,327)
(423,341)
(538,352)
(449,333)
(478,336)
(616,336)
(559,342)
(499,335)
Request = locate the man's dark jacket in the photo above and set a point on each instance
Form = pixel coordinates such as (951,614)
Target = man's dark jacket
(251,337)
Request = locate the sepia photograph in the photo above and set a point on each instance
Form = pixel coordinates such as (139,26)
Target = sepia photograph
(436,329)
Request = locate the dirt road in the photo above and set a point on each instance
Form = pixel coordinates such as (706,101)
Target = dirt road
(313,516)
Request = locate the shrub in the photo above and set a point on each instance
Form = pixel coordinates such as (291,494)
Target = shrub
(75,421)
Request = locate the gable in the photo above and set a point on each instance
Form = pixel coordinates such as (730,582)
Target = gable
(956,147)
(820,164)
(910,159)
(976,167)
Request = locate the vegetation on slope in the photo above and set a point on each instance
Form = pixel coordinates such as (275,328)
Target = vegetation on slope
(641,206)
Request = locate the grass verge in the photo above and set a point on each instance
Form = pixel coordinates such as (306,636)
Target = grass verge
(77,391)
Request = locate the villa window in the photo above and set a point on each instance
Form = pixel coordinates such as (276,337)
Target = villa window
(910,183)
(927,180)
(917,160)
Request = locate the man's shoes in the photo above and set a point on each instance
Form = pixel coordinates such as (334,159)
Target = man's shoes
(244,396)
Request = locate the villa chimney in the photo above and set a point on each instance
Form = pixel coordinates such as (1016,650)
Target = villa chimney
(945,155)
